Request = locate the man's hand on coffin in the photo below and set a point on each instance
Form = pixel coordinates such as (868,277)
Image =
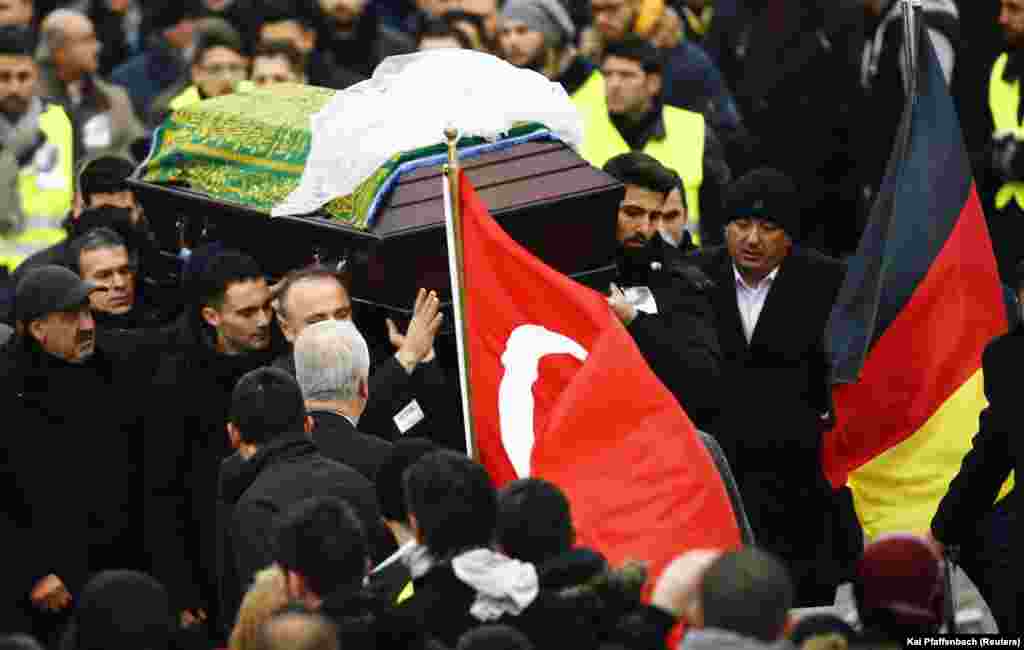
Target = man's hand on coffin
(417,345)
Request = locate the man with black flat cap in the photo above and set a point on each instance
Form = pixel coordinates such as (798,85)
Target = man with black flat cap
(71,481)
(771,301)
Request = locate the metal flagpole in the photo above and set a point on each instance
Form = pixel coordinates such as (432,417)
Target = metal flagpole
(911,48)
(453,226)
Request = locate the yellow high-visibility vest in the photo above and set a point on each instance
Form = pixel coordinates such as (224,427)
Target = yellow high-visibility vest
(45,190)
(682,149)
(1004,102)
(46,186)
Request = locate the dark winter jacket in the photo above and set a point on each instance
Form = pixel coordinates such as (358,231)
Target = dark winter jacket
(679,342)
(254,492)
(781,374)
(362,51)
(339,440)
(70,466)
(185,443)
(440,608)
(392,389)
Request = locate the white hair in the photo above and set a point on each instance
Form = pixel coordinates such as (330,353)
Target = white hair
(331,359)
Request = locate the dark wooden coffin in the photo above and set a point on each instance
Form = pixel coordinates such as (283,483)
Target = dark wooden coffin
(543,194)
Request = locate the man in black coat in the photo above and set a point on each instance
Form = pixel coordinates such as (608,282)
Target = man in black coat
(72,452)
(966,516)
(332,366)
(225,334)
(793,66)
(408,391)
(103,257)
(295,23)
(352,36)
(277,466)
(662,299)
(771,301)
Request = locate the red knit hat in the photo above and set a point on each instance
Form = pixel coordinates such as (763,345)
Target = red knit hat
(901,575)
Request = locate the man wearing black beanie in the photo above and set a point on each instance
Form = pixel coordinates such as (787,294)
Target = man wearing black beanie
(771,301)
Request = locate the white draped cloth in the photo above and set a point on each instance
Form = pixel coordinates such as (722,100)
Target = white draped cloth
(408,103)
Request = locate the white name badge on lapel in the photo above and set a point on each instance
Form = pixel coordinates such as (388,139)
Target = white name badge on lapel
(98,132)
(642,298)
(409,417)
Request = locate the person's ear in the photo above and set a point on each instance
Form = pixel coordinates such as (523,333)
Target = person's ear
(308,40)
(211,316)
(234,435)
(286,328)
(414,526)
(364,389)
(653,83)
(37,329)
(695,613)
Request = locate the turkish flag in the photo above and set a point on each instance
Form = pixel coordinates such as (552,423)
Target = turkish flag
(561,392)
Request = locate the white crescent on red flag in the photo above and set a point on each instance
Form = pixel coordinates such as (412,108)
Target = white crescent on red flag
(561,392)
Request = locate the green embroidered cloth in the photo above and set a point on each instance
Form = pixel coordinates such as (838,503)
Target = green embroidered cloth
(250,148)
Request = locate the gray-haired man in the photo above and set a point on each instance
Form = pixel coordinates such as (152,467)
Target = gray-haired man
(332,366)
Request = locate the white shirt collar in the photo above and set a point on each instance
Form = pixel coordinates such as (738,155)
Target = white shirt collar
(402,551)
(765,282)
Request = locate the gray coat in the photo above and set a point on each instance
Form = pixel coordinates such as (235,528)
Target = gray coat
(90,141)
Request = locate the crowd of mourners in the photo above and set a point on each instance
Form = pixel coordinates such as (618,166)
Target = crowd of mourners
(197,454)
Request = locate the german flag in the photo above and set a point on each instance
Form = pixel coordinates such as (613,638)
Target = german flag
(921,300)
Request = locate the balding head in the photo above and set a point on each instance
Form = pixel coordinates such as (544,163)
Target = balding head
(332,363)
(295,631)
(68,41)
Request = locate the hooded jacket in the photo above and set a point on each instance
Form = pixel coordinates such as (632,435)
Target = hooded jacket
(477,587)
